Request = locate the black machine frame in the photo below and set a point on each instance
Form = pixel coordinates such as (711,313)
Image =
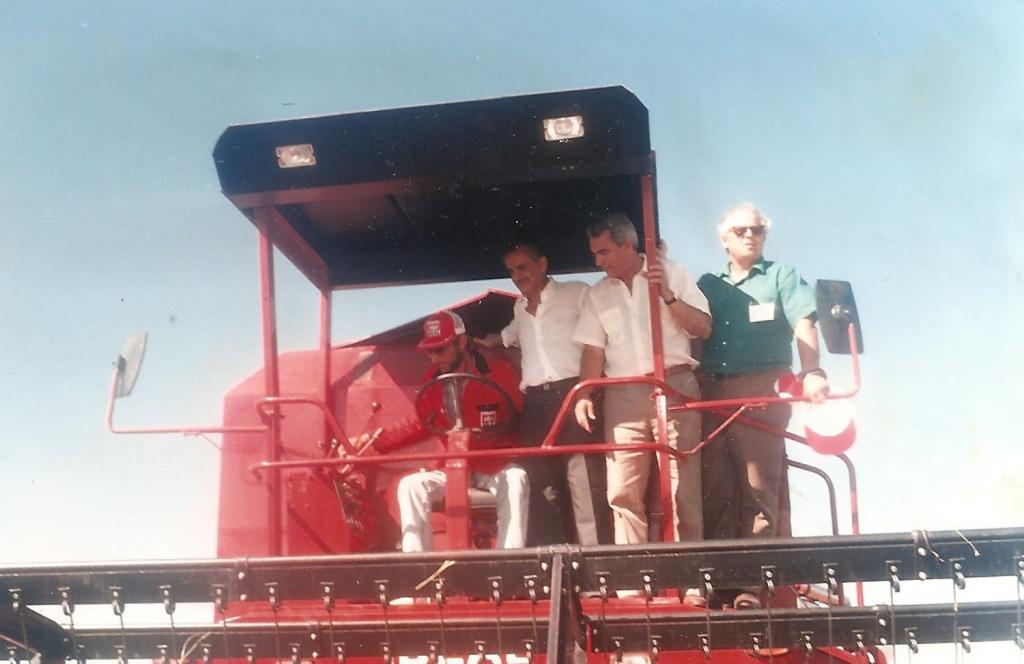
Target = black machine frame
(516,610)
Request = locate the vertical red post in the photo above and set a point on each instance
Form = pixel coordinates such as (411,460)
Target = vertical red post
(658,351)
(325,354)
(651,249)
(457,517)
(264,222)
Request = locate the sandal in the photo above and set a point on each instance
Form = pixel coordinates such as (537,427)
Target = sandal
(746,602)
(693,598)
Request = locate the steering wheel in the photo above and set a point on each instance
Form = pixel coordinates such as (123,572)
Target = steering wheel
(451,383)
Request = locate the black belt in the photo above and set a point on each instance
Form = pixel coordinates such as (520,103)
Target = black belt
(553,385)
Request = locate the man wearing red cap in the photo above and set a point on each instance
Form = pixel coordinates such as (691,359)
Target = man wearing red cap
(446,344)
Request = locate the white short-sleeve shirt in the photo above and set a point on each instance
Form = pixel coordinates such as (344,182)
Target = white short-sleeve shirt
(546,338)
(619,321)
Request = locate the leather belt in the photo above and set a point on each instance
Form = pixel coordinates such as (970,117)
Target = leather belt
(553,385)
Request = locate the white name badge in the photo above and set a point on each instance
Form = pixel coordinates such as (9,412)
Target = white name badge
(762,312)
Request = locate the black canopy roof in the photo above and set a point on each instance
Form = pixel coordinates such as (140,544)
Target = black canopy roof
(436,193)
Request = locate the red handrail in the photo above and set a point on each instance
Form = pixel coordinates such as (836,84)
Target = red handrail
(510,452)
(688,403)
(548,448)
(264,404)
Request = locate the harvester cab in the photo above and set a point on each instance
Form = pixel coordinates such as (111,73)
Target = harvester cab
(306,565)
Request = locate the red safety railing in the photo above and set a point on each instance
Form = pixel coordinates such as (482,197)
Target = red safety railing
(734,410)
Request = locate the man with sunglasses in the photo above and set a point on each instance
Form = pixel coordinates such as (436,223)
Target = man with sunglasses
(757,308)
(450,351)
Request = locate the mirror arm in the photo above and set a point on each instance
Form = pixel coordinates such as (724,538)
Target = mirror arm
(113,394)
(855,356)
(185,431)
(851,331)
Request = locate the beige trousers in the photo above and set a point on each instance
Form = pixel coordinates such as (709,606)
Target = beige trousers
(629,418)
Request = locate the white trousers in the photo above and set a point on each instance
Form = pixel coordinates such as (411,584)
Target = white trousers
(419,492)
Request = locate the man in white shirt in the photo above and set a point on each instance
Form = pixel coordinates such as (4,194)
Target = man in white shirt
(542,328)
(615,330)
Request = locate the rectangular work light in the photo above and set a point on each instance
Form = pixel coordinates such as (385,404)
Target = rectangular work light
(563,129)
(295,156)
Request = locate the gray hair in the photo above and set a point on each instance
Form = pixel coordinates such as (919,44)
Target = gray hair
(744,207)
(618,225)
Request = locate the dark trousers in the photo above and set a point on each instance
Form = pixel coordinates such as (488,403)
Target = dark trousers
(561,484)
(743,468)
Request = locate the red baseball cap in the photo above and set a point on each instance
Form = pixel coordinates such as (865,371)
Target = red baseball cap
(440,329)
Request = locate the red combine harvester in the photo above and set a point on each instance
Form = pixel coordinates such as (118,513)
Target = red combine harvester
(307,566)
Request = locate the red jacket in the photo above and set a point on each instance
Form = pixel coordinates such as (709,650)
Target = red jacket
(482,406)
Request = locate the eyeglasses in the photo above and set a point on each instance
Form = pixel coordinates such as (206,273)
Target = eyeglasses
(440,350)
(741,231)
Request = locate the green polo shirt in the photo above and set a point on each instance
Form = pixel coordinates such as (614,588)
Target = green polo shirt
(752,320)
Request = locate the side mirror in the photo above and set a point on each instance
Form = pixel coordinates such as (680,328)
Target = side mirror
(836,311)
(129,362)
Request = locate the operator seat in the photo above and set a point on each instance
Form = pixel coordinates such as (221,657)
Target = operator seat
(483,526)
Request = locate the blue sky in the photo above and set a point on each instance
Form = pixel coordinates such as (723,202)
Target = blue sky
(883,138)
